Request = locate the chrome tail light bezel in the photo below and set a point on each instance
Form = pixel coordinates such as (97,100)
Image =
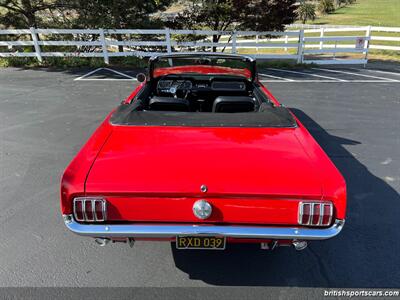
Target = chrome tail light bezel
(92,215)
(316,208)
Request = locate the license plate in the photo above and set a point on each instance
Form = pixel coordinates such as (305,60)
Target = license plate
(200,242)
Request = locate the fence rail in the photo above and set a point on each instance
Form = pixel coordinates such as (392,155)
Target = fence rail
(305,45)
(373,31)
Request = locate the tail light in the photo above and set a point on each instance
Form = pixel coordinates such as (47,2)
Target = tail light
(90,209)
(315,213)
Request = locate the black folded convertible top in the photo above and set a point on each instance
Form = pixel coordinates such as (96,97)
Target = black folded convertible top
(271,117)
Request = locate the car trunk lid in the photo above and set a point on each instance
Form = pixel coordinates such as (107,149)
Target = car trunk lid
(177,161)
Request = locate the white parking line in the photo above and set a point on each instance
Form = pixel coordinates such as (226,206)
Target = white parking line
(277,77)
(119,73)
(88,74)
(356,74)
(379,71)
(313,75)
(83,77)
(108,79)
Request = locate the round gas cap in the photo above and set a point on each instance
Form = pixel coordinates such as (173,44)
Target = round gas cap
(202,209)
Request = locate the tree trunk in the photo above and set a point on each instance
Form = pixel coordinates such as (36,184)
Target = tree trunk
(29,13)
(215,39)
(119,39)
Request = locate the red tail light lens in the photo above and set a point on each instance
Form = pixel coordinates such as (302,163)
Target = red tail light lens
(315,213)
(78,210)
(90,209)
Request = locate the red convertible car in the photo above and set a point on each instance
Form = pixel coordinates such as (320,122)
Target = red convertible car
(202,154)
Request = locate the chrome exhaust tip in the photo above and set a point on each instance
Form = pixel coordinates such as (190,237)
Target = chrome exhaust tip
(101,241)
(300,245)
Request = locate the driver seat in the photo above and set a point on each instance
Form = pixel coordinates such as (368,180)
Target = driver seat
(168,104)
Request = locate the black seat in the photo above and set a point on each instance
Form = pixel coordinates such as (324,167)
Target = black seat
(168,104)
(232,104)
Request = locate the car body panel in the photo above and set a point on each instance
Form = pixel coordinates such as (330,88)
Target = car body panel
(243,161)
(153,174)
(229,210)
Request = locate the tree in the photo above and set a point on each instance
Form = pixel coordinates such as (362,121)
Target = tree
(326,6)
(306,11)
(26,13)
(118,14)
(220,15)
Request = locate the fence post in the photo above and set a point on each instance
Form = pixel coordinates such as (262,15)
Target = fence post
(366,45)
(286,41)
(321,43)
(257,43)
(104,46)
(334,53)
(168,40)
(300,47)
(234,41)
(36,44)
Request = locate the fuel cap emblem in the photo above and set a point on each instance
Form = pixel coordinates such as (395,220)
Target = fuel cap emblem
(202,209)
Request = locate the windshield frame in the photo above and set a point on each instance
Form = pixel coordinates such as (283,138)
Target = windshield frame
(252,63)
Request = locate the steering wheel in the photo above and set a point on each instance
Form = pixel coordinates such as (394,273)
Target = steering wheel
(183,87)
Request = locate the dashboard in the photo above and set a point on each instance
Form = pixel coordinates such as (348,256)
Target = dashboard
(172,86)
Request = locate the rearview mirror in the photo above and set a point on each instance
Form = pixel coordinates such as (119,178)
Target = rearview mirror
(141,77)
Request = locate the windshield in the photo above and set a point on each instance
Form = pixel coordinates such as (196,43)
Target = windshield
(203,64)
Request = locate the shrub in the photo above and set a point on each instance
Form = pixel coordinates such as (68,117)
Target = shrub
(340,3)
(326,6)
(71,62)
(306,11)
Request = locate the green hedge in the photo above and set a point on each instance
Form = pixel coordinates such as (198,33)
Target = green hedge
(72,62)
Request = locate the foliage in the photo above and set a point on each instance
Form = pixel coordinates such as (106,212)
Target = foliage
(340,3)
(306,11)
(326,6)
(80,13)
(117,13)
(261,15)
(72,62)
(134,62)
(28,13)
(283,64)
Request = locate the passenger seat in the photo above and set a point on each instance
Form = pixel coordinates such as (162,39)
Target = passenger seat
(233,104)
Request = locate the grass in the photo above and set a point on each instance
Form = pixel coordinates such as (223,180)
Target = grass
(364,13)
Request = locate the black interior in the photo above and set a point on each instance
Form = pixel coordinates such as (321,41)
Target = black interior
(200,93)
(234,104)
(168,104)
(202,101)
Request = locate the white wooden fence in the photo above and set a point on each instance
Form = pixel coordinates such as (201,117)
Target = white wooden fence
(291,44)
(374,32)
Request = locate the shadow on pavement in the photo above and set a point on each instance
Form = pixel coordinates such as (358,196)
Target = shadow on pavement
(363,255)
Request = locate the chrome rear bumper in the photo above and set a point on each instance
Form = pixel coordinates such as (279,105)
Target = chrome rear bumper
(171,231)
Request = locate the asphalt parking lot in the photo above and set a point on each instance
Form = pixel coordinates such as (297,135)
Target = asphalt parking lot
(47,115)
